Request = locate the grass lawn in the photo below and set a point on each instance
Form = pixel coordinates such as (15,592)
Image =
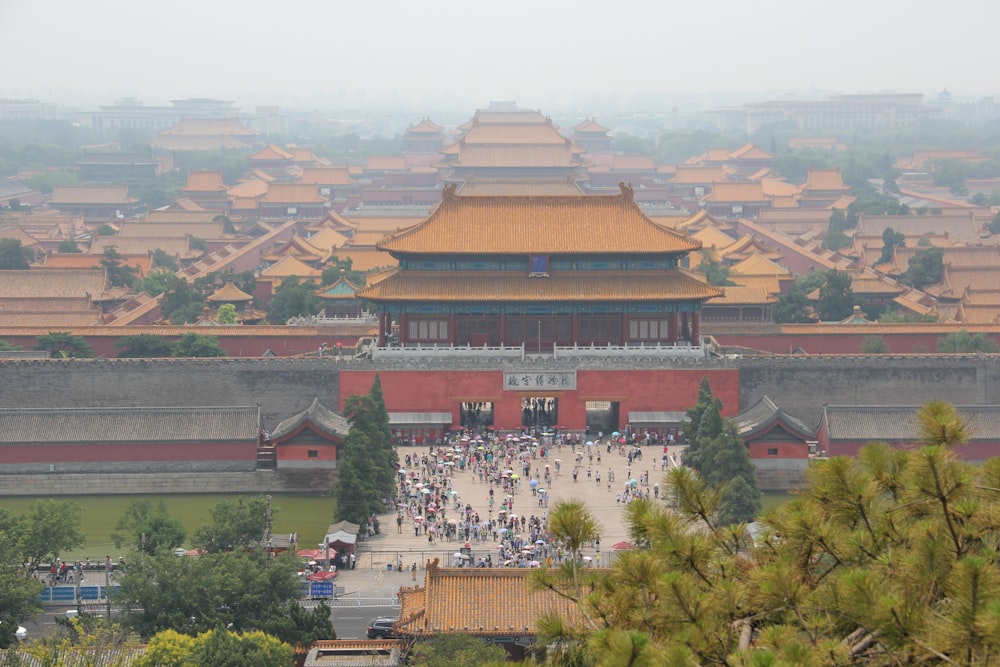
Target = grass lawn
(307,515)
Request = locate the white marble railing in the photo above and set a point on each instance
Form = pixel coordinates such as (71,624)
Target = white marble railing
(318,320)
(519,352)
(632,350)
(442,351)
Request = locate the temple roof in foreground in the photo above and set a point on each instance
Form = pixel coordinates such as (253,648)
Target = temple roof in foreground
(542,225)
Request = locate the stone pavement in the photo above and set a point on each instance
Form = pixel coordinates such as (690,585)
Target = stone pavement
(394,545)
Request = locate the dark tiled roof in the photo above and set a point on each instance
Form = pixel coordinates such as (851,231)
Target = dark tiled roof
(899,422)
(509,286)
(82,425)
(320,416)
(763,414)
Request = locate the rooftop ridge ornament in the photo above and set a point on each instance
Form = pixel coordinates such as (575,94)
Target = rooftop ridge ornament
(627,192)
(449,191)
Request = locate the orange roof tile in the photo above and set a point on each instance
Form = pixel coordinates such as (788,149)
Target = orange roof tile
(633,162)
(301,155)
(327,239)
(229,293)
(248,189)
(38,283)
(825,179)
(516,155)
(606,224)
(784,202)
(366,238)
(292,193)
(778,188)
(513,117)
(509,286)
(528,186)
(338,175)
(750,152)
(204,181)
(202,230)
(365,259)
(271,152)
(516,134)
(137,245)
(711,237)
(78,260)
(290,266)
(181,216)
(15,232)
(480,601)
(757,265)
(91,194)
(425,126)
(590,125)
(386,163)
(742,294)
(737,192)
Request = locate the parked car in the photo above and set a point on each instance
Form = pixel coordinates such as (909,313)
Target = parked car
(381,628)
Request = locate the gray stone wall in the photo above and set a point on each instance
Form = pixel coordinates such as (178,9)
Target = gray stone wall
(802,384)
(261,481)
(115,467)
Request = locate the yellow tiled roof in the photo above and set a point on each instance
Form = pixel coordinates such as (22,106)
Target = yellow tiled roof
(750,152)
(292,193)
(366,238)
(80,260)
(770,284)
(229,293)
(737,192)
(710,237)
(697,175)
(742,294)
(516,155)
(527,186)
(91,194)
(38,283)
(326,176)
(291,266)
(386,163)
(825,179)
(327,238)
(426,125)
(271,152)
(137,245)
(514,134)
(252,189)
(481,602)
(512,286)
(605,224)
(778,188)
(204,181)
(365,259)
(203,230)
(181,216)
(756,265)
(590,125)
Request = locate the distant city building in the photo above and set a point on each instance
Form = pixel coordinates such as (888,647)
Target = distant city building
(869,111)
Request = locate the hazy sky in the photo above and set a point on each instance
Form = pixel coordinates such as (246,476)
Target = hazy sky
(537,52)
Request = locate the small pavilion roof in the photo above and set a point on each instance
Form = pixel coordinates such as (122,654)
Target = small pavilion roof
(204,181)
(343,289)
(229,293)
(590,125)
(320,417)
(272,152)
(290,266)
(763,415)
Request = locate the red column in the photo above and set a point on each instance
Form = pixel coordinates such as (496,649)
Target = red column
(575,325)
(403,329)
(452,330)
(695,326)
(684,326)
(382,328)
(624,329)
(672,327)
(502,329)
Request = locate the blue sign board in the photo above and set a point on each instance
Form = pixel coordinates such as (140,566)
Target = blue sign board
(322,589)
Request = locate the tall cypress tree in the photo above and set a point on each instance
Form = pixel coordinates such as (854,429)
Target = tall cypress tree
(382,446)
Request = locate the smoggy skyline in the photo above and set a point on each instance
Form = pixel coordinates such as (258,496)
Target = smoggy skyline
(396,53)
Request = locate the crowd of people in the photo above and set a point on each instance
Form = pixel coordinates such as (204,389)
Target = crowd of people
(516,473)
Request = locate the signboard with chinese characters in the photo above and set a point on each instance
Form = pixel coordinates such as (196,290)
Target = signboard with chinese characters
(540,381)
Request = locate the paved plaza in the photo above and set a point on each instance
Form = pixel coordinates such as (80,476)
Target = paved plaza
(408,545)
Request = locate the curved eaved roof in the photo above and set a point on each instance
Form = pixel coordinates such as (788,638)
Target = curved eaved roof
(545,225)
(318,415)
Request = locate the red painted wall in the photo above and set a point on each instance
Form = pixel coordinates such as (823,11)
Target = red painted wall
(443,391)
(97,452)
(786,450)
(290,452)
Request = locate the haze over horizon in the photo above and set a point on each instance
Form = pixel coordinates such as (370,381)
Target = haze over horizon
(445,53)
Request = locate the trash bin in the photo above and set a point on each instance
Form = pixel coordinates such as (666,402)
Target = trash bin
(389,567)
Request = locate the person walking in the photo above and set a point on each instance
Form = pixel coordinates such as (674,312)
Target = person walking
(413,572)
